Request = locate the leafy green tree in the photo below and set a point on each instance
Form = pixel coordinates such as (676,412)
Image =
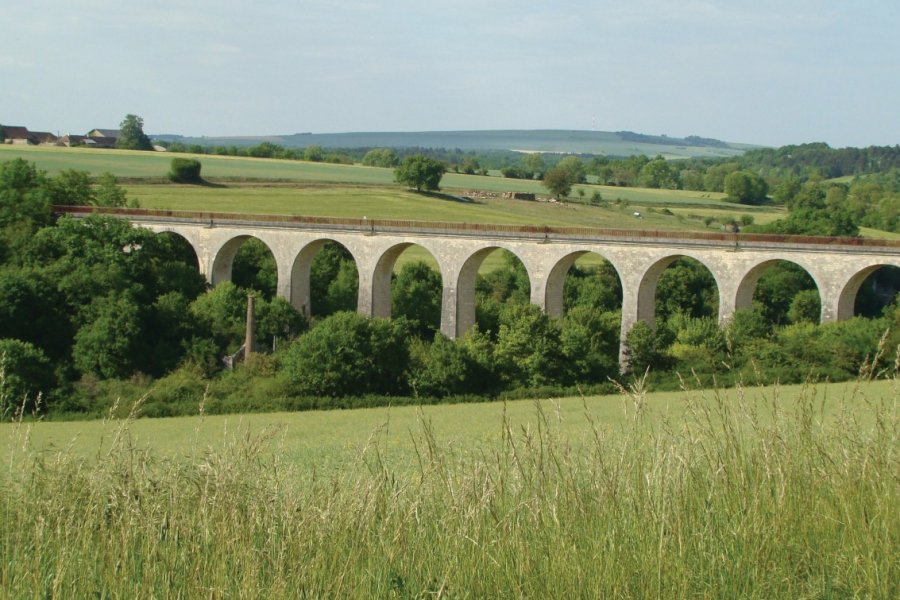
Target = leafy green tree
(445,368)
(254,268)
(221,315)
(25,197)
(589,341)
(108,344)
(26,373)
(33,310)
(381,157)
(805,306)
(574,166)
(314,153)
(420,172)
(529,351)
(71,187)
(108,192)
(416,295)
(348,354)
(131,134)
(746,187)
(559,182)
(687,287)
(333,281)
(595,286)
(278,321)
(777,288)
(658,174)
(642,350)
(533,166)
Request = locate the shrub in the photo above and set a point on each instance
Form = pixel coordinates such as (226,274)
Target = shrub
(185,170)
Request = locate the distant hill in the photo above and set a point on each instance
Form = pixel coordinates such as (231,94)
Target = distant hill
(621,143)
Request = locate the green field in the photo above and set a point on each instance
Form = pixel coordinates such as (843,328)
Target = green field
(325,438)
(776,493)
(319,189)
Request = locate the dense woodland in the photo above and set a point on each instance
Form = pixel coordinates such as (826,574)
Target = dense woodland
(92,310)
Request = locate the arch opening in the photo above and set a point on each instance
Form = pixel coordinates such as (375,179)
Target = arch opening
(409,284)
(782,292)
(869,292)
(324,279)
(181,249)
(586,291)
(254,268)
(497,278)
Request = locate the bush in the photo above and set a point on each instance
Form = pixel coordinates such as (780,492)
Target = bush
(24,373)
(185,170)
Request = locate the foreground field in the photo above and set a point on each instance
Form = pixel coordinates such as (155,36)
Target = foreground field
(753,494)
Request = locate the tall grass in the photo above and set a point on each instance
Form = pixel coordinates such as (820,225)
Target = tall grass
(732,501)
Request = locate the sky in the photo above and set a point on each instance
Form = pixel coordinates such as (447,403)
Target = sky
(754,71)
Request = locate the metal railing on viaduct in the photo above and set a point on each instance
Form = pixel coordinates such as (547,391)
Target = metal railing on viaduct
(838,266)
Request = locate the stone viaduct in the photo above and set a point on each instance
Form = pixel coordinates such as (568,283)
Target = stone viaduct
(736,261)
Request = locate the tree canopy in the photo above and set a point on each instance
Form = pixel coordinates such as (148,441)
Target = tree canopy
(420,172)
(131,134)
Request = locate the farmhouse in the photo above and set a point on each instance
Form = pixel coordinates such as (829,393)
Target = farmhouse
(44,138)
(102,138)
(16,134)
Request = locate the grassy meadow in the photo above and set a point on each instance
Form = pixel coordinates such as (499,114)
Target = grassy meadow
(752,493)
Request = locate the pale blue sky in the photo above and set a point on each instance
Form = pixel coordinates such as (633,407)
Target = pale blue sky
(768,72)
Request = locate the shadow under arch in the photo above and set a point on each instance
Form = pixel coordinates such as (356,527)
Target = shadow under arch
(339,272)
(882,281)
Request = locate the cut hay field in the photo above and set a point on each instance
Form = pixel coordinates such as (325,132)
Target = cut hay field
(779,493)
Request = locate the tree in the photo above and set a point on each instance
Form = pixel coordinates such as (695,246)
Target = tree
(348,354)
(574,167)
(108,192)
(131,134)
(559,181)
(420,172)
(746,187)
(26,373)
(533,165)
(380,157)
(24,195)
(416,295)
(72,188)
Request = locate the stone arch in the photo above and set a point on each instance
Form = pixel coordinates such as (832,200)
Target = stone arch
(191,255)
(748,283)
(223,258)
(382,276)
(846,303)
(556,278)
(300,288)
(646,296)
(465,285)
